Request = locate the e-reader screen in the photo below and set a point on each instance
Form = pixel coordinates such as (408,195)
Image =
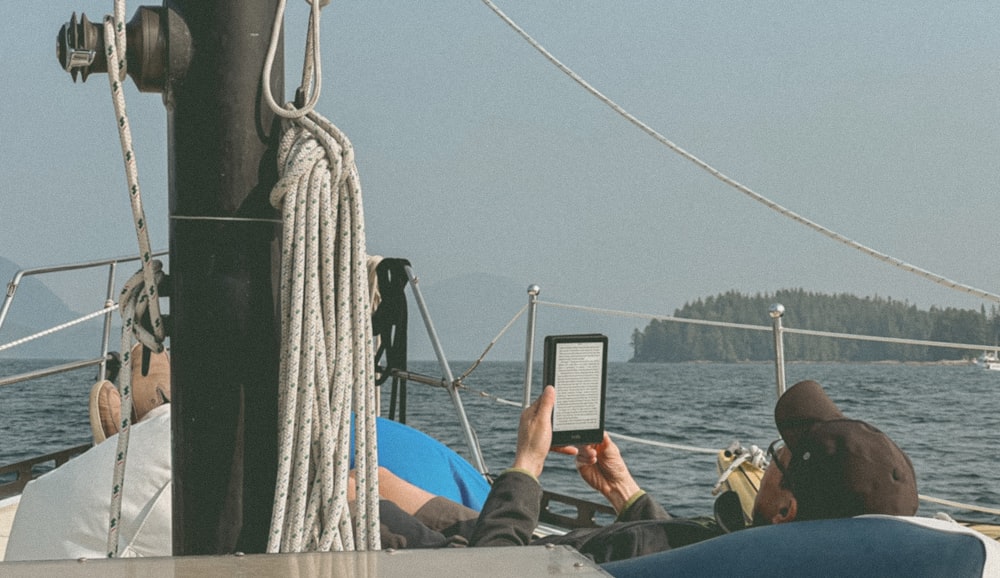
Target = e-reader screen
(577,366)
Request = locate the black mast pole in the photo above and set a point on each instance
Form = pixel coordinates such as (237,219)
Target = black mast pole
(224,343)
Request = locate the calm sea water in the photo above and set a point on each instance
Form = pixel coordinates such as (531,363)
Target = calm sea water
(946,417)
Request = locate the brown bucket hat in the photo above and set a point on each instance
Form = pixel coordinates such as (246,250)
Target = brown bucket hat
(840,467)
(150,389)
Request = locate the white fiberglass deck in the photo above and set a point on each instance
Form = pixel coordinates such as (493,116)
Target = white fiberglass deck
(492,562)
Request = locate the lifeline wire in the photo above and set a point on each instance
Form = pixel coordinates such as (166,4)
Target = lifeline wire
(788,330)
(58,328)
(898,263)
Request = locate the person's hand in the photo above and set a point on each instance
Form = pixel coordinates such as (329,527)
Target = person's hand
(602,467)
(534,433)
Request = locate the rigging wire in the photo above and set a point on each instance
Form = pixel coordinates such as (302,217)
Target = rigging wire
(482,355)
(898,263)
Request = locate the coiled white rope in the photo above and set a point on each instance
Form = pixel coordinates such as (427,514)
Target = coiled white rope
(327,357)
(898,263)
(327,345)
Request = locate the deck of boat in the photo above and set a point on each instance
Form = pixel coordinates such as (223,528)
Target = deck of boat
(389,563)
(492,562)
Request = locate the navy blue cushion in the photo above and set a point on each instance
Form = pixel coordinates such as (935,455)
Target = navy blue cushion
(427,463)
(883,547)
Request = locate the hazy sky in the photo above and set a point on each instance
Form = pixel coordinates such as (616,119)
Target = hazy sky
(880,121)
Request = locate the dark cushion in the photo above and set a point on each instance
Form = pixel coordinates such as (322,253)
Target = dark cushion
(865,546)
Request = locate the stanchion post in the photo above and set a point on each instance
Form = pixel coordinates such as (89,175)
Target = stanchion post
(529,343)
(776,311)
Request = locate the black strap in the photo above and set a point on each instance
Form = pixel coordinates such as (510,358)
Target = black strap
(389,325)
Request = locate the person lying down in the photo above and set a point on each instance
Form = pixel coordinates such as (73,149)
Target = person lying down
(824,466)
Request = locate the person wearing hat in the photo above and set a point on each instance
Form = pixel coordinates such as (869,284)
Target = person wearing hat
(831,466)
(824,466)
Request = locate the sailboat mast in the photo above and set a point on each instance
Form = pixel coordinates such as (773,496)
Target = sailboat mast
(206,57)
(224,338)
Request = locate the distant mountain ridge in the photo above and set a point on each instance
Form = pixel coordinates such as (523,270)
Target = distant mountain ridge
(36,308)
(467,311)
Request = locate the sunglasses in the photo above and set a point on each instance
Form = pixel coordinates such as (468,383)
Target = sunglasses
(772,454)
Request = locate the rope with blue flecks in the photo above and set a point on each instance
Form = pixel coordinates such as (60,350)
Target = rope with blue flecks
(128,303)
(311,76)
(114,38)
(140,294)
(327,356)
(327,347)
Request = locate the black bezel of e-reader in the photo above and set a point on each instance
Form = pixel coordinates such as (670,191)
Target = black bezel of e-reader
(552,344)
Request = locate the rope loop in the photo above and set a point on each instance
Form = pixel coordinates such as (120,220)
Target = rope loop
(134,305)
(312,78)
(135,297)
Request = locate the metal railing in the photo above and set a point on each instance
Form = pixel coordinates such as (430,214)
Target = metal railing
(449,382)
(109,301)
(27,470)
(24,471)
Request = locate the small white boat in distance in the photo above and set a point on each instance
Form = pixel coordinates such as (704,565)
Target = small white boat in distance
(989,360)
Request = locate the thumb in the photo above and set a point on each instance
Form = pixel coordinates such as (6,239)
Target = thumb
(546,401)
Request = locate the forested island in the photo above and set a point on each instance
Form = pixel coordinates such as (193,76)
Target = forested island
(670,341)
